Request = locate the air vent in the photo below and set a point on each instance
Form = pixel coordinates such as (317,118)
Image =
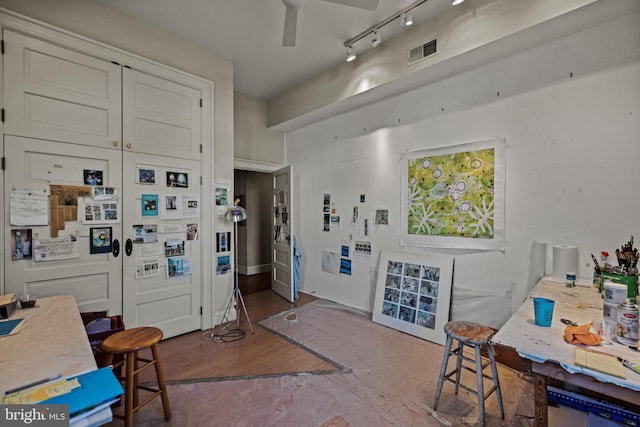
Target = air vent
(423,51)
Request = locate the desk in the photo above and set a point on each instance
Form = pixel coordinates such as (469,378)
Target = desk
(553,357)
(52,341)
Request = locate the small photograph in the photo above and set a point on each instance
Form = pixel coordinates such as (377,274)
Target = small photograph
(390,309)
(407,314)
(392,295)
(344,251)
(21,244)
(392,281)
(382,217)
(428,304)
(146,176)
(92,177)
(102,193)
(149,205)
(430,273)
(224,264)
(192,231)
(223,241)
(409,299)
(221,197)
(177,179)
(412,270)
(362,248)
(173,247)
(111,214)
(345,266)
(172,203)
(326,224)
(409,284)
(326,206)
(429,288)
(426,320)
(395,267)
(100,240)
(145,233)
(175,267)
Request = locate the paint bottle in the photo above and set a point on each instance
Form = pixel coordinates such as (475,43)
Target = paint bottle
(571,280)
(628,324)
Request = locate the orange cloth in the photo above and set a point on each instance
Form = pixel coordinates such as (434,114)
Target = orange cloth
(580,335)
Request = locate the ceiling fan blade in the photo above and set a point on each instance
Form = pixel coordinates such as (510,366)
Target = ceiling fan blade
(290,24)
(360,4)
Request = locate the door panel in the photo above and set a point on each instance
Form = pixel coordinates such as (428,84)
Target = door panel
(160,117)
(282,253)
(170,303)
(94,279)
(58,94)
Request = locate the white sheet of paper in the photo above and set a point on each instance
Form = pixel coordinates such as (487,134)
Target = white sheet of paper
(29,207)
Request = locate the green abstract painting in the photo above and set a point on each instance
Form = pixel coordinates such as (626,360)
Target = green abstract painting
(455,194)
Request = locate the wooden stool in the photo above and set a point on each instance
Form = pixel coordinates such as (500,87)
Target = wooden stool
(478,336)
(128,343)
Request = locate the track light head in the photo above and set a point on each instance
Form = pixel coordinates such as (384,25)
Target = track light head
(375,39)
(456,2)
(351,53)
(406,19)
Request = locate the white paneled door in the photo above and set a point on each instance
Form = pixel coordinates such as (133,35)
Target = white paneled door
(281,248)
(162,247)
(65,267)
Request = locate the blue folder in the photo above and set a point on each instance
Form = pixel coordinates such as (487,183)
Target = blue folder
(96,387)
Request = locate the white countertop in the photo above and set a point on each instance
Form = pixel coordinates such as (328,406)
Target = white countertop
(580,304)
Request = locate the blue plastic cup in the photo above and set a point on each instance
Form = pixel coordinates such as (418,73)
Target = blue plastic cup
(543,310)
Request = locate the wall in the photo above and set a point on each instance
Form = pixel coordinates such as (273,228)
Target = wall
(255,146)
(569,111)
(100,23)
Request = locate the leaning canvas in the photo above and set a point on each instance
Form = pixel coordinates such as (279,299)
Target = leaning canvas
(413,293)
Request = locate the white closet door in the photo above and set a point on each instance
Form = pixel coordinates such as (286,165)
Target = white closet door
(57,94)
(31,165)
(154,294)
(160,116)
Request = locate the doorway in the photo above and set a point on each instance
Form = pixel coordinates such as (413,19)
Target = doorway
(254,189)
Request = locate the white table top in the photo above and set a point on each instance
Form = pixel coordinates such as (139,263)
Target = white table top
(580,304)
(52,342)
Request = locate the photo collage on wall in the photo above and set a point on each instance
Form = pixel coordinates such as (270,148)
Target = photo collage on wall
(411,293)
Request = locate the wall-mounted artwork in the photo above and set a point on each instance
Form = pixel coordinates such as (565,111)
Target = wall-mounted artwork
(454,196)
(100,240)
(413,293)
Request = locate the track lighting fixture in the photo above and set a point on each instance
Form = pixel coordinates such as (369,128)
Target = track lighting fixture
(456,2)
(351,53)
(375,39)
(406,19)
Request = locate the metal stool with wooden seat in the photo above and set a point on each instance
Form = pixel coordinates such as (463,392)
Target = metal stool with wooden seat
(478,336)
(128,343)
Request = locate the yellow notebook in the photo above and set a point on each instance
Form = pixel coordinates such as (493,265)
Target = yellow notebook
(601,362)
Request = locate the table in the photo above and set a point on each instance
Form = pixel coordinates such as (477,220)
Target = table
(52,342)
(553,357)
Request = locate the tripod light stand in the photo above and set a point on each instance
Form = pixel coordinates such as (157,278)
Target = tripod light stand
(237,214)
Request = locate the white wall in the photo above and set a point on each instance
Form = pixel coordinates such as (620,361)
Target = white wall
(570,113)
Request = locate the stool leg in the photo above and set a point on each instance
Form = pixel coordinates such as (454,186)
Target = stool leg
(459,364)
(161,384)
(496,380)
(129,390)
(443,370)
(136,381)
(480,383)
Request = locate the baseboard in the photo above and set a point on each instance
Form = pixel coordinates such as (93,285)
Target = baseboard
(253,269)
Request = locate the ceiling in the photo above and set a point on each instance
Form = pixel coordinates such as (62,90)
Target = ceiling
(249,32)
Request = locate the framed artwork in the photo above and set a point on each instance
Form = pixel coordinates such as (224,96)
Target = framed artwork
(100,240)
(413,293)
(454,196)
(21,244)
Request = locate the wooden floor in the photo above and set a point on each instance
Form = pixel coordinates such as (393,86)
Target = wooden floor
(204,355)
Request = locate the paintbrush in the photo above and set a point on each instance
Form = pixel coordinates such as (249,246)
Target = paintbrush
(628,364)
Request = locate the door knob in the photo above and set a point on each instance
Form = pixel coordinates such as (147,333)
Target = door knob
(128,247)
(115,248)
(129,146)
(115,143)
